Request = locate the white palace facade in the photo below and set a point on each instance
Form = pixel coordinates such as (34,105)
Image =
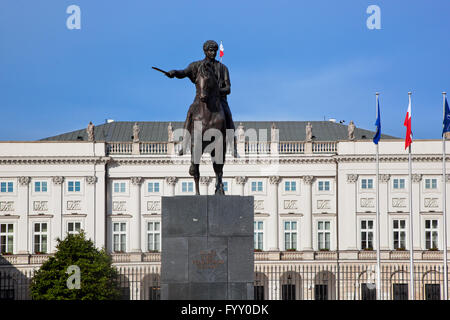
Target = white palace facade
(314,204)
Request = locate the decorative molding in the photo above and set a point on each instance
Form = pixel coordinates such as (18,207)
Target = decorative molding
(274,180)
(290,204)
(367,202)
(91,179)
(241,180)
(58,180)
(24,181)
(352,178)
(431,203)
(398,202)
(205,180)
(323,204)
(74,215)
(6,205)
(137,181)
(416,177)
(40,205)
(54,160)
(384,178)
(74,205)
(8,216)
(171,180)
(153,205)
(119,206)
(308,179)
(258,205)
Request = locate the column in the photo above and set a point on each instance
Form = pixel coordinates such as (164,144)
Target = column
(384,208)
(204,182)
(171,181)
(349,223)
(416,179)
(56,222)
(307,226)
(240,182)
(90,207)
(100,206)
(134,231)
(273,223)
(23,211)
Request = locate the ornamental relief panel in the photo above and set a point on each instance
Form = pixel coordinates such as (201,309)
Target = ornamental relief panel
(323,204)
(6,205)
(399,202)
(367,202)
(74,205)
(119,206)
(431,203)
(290,204)
(258,205)
(40,205)
(153,205)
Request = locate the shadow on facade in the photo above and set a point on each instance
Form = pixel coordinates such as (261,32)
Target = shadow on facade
(14,283)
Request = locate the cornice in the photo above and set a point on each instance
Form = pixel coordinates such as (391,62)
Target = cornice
(390,158)
(54,160)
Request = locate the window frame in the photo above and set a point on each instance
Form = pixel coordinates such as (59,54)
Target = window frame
(366,230)
(41,233)
(73,221)
(7,184)
(120,233)
(324,232)
(187,184)
(399,184)
(431,230)
(154,234)
(293,244)
(400,231)
(6,235)
(324,182)
(257,232)
(75,181)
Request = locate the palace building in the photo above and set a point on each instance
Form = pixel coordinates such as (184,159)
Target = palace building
(314,188)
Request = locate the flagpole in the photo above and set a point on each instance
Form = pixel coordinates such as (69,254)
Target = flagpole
(411,235)
(444,209)
(377,218)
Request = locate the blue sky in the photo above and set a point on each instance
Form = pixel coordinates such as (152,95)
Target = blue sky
(288,60)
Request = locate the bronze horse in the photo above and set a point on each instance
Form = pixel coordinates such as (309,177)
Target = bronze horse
(207,111)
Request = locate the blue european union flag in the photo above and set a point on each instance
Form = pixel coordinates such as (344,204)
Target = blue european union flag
(377,136)
(446,118)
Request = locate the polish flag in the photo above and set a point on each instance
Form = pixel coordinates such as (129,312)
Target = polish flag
(407,124)
(221,49)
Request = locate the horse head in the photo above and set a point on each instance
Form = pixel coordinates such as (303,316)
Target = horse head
(207,82)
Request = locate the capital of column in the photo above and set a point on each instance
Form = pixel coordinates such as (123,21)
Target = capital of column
(416,177)
(384,178)
(91,179)
(274,180)
(171,180)
(136,180)
(241,180)
(352,178)
(205,180)
(24,181)
(58,180)
(308,179)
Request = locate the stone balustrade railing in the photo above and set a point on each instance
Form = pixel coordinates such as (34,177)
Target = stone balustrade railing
(119,147)
(324,147)
(153,148)
(291,147)
(257,147)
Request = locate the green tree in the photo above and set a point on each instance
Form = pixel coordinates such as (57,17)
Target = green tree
(99,279)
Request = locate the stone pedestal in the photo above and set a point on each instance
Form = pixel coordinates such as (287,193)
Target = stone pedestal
(207,248)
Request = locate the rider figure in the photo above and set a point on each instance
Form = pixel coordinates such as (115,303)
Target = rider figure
(210,48)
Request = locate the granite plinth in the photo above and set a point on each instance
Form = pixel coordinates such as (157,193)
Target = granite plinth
(207,248)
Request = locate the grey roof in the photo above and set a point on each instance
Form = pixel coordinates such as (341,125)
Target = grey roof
(157,131)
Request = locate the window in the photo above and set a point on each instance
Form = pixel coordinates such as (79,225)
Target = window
(288,292)
(430,183)
(366,234)
(119,237)
(187,187)
(290,235)
(400,291)
(324,185)
(431,234)
(290,186)
(6,238)
(120,187)
(366,183)
(74,186)
(257,186)
(321,292)
(432,291)
(259,234)
(368,291)
(153,236)
(40,186)
(153,187)
(73,227)
(399,183)
(323,235)
(40,237)
(225,186)
(258,292)
(6,187)
(399,229)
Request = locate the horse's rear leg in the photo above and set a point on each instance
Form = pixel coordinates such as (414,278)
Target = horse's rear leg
(218,169)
